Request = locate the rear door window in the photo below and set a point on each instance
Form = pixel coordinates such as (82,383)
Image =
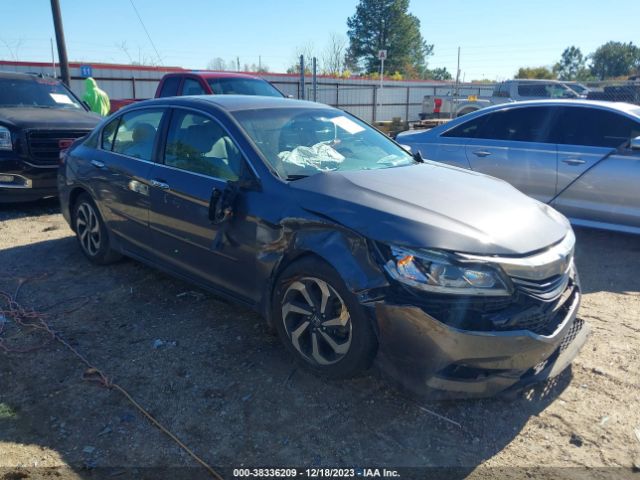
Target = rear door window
(595,127)
(192,87)
(170,87)
(137,132)
(531,124)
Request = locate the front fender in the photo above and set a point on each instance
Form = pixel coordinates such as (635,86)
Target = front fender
(345,251)
(349,254)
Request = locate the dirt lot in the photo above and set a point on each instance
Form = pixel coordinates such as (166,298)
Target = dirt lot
(222,383)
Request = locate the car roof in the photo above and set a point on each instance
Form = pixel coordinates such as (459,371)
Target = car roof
(24,76)
(628,108)
(214,74)
(534,80)
(233,103)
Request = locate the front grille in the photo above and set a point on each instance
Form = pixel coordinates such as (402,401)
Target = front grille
(542,319)
(44,145)
(547,289)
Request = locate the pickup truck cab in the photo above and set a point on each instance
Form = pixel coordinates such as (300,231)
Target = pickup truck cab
(39,117)
(207,83)
(452,105)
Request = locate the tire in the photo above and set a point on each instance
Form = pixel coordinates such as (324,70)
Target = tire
(92,233)
(333,338)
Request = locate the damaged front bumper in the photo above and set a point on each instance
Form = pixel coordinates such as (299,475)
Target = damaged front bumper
(430,357)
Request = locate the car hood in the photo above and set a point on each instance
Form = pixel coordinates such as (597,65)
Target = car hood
(47,118)
(434,206)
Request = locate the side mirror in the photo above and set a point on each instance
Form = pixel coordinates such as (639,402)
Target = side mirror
(221,203)
(635,144)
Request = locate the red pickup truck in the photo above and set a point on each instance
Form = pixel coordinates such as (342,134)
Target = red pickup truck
(206,83)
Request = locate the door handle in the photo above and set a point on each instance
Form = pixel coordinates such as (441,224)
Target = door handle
(97,164)
(574,161)
(481,153)
(159,184)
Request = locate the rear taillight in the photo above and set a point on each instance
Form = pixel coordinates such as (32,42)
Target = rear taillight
(437,105)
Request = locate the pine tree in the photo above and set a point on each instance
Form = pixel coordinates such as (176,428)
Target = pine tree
(387,25)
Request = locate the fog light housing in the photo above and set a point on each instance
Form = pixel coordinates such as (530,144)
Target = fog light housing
(8,180)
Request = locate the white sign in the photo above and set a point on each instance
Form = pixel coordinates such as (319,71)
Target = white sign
(382,54)
(61,98)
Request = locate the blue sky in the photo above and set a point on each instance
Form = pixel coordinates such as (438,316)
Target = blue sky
(496,36)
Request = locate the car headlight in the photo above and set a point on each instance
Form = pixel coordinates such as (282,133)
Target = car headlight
(5,139)
(437,272)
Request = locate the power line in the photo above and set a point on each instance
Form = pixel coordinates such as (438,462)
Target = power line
(146,31)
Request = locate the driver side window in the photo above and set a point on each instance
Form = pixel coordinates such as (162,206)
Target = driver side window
(198,144)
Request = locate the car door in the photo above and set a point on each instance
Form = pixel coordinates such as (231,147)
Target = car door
(514,144)
(448,147)
(607,192)
(121,170)
(198,156)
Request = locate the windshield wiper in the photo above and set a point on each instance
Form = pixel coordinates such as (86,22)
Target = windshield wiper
(292,178)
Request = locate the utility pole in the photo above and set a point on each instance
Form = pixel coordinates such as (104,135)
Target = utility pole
(238,63)
(53,61)
(302,85)
(457,92)
(314,80)
(62,46)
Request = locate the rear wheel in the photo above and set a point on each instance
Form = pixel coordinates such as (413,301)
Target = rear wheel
(321,322)
(92,233)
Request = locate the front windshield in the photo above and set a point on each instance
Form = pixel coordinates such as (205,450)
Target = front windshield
(301,142)
(35,92)
(243,86)
(578,88)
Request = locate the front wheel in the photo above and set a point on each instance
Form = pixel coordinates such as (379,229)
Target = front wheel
(92,233)
(321,322)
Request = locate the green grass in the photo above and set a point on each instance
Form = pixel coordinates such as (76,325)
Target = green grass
(6,412)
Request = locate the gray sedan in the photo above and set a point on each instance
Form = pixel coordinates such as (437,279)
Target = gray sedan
(582,157)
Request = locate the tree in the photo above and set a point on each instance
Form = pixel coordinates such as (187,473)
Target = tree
(439,74)
(615,59)
(333,57)
(571,65)
(256,68)
(387,25)
(535,72)
(218,64)
(308,52)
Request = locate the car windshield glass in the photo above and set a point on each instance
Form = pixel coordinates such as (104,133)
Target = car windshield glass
(35,92)
(300,142)
(242,86)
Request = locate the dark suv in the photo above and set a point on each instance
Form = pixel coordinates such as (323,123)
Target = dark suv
(39,117)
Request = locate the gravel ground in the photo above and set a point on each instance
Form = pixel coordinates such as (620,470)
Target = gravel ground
(213,374)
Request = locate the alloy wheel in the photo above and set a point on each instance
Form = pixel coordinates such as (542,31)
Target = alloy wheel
(316,321)
(88,229)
